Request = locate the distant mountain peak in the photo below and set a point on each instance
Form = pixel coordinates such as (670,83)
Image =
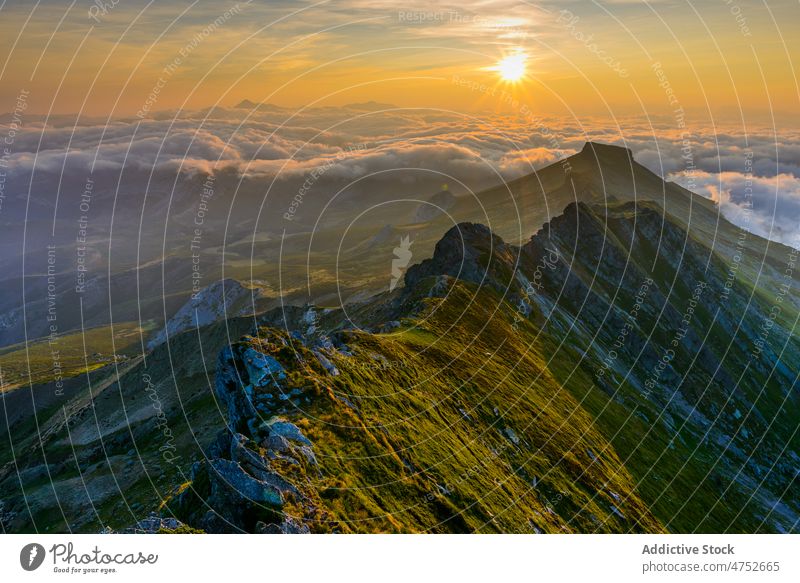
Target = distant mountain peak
(219,300)
(249,104)
(246,104)
(601,150)
(437,205)
(370,106)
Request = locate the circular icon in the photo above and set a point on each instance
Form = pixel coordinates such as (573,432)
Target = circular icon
(31,556)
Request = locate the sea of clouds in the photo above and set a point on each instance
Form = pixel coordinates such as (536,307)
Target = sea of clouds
(757,169)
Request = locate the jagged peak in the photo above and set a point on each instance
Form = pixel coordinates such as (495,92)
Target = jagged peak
(583,211)
(465,237)
(468,230)
(457,254)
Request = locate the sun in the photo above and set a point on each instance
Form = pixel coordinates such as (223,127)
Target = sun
(512,67)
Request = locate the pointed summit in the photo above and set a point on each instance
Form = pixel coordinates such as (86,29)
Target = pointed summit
(261,106)
(246,104)
(600,150)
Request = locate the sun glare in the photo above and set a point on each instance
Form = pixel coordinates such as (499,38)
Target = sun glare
(512,68)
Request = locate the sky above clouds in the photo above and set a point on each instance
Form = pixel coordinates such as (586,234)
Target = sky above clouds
(731,61)
(157,83)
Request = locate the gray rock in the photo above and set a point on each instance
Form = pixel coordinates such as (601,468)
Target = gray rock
(277,443)
(209,305)
(227,386)
(617,511)
(511,435)
(262,369)
(226,474)
(241,454)
(327,364)
(288,430)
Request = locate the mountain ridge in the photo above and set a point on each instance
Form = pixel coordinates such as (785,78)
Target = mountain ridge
(605,375)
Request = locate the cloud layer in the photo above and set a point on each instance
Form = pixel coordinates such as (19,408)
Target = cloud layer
(276,145)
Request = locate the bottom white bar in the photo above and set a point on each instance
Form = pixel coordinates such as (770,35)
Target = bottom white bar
(417,558)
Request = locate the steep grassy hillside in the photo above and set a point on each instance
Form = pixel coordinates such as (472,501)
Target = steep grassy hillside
(592,369)
(452,423)
(117,440)
(620,371)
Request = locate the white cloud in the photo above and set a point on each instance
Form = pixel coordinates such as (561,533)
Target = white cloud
(286,145)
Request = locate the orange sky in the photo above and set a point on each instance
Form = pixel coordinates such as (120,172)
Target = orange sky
(716,61)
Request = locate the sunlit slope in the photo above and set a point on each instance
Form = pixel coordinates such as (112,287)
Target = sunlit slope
(453,423)
(701,369)
(501,376)
(614,373)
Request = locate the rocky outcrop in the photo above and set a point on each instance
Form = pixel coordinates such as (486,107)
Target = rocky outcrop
(469,252)
(220,300)
(262,459)
(243,485)
(638,296)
